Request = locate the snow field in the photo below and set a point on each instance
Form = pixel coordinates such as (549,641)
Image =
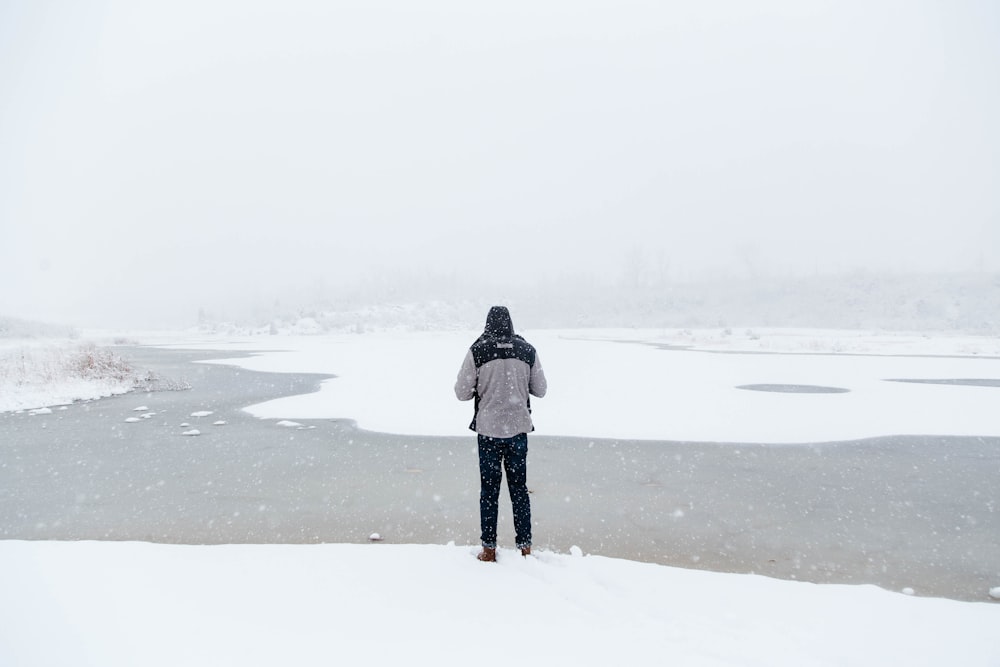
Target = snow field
(402,383)
(113,604)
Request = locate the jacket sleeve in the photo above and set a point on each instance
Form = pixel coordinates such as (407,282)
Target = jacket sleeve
(465,385)
(537,385)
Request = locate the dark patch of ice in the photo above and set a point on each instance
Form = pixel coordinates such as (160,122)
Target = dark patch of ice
(794,388)
(965,382)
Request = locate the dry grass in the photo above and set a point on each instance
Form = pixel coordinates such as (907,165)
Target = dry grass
(92,362)
(43,365)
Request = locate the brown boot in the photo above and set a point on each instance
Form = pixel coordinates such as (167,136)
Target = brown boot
(488,555)
(526,551)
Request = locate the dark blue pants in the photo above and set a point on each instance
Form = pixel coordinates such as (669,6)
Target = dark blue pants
(512,455)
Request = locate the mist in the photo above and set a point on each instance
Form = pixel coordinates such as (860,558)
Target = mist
(158,160)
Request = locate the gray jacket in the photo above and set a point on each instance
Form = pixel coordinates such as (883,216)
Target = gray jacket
(500,373)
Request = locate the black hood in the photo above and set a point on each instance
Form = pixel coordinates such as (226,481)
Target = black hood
(498,323)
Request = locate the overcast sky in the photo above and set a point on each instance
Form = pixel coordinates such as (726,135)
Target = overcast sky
(157,156)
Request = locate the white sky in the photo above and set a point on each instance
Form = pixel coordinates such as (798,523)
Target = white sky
(157,155)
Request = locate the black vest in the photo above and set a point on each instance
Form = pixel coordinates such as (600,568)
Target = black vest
(487,349)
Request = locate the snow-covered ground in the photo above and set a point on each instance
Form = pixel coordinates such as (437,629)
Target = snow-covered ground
(601,387)
(109,604)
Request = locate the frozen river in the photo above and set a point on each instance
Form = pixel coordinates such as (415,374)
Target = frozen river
(899,512)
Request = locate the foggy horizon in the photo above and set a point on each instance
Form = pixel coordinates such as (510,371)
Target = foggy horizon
(157,159)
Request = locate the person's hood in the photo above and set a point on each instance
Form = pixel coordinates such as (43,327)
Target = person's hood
(498,323)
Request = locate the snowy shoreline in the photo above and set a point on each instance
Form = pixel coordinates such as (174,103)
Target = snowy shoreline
(124,603)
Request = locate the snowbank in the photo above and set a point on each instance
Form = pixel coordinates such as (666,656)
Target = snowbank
(111,604)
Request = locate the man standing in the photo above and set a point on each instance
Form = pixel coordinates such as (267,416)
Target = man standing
(500,370)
